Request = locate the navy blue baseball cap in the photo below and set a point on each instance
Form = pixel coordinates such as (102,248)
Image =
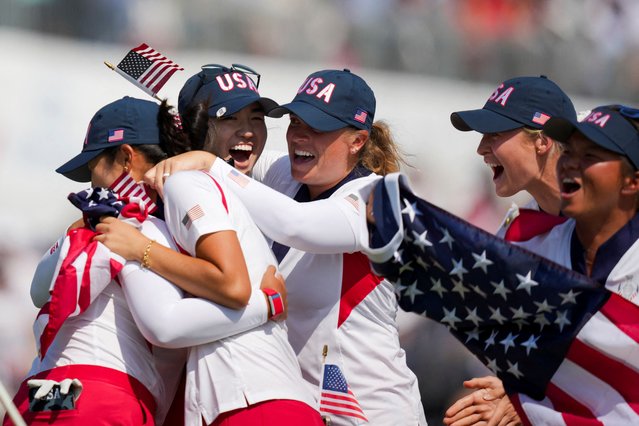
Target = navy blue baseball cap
(518,102)
(126,121)
(607,126)
(332,99)
(225,89)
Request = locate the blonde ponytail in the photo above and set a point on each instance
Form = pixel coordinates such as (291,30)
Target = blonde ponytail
(380,153)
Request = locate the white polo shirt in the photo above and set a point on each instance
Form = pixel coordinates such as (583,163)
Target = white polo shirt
(333,297)
(106,334)
(249,367)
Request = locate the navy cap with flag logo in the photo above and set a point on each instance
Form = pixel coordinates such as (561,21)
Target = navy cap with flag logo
(126,121)
(518,102)
(607,126)
(332,99)
(226,90)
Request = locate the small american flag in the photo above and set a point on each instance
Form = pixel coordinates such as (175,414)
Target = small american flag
(115,135)
(361,115)
(192,215)
(147,68)
(540,118)
(336,396)
(564,346)
(126,186)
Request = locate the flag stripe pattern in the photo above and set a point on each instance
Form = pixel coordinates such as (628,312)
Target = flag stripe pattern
(126,187)
(336,396)
(147,68)
(84,268)
(540,118)
(565,347)
(360,115)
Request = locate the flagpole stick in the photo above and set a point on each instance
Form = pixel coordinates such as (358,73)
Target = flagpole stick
(10,407)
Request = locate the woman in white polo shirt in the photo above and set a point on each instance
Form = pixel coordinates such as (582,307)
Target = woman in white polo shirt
(251,378)
(342,318)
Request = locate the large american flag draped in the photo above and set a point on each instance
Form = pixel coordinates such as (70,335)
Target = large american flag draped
(85,267)
(147,68)
(566,349)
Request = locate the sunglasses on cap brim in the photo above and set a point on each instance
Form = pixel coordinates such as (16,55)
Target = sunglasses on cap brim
(251,73)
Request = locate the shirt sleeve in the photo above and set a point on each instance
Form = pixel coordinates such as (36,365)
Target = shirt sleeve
(44,273)
(387,234)
(264,163)
(167,319)
(333,225)
(194,205)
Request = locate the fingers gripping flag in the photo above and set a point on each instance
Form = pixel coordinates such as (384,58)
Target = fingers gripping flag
(85,267)
(147,68)
(566,349)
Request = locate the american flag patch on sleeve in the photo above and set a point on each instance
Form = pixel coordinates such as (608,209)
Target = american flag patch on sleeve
(238,178)
(192,215)
(353,200)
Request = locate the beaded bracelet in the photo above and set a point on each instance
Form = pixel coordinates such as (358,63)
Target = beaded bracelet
(146,256)
(276,307)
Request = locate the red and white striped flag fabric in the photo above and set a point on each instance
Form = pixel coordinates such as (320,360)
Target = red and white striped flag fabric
(596,384)
(147,68)
(337,398)
(85,267)
(126,187)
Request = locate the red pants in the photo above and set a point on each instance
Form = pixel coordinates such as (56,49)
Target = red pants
(109,397)
(277,412)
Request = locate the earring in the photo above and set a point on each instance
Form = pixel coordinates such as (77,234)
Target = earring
(126,169)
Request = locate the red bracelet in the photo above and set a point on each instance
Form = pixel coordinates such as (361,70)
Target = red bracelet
(275,302)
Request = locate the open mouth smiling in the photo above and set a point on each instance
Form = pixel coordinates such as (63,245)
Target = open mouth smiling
(569,185)
(241,152)
(497,169)
(303,155)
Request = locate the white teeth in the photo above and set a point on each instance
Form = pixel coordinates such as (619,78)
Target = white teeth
(303,153)
(567,180)
(243,147)
(492,165)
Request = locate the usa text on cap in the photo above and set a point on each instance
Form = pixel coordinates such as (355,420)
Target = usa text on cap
(515,103)
(608,126)
(226,90)
(332,99)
